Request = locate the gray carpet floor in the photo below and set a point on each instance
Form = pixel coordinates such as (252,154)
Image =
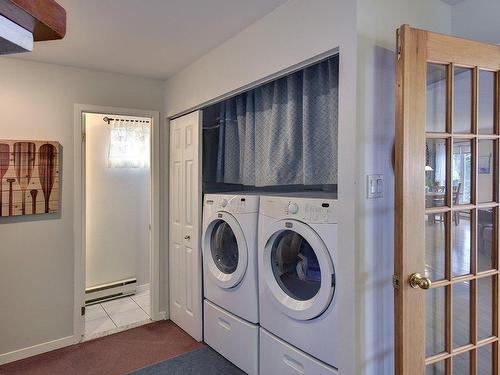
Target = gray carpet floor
(203,361)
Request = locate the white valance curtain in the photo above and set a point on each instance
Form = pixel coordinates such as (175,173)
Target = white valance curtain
(284,132)
(129,144)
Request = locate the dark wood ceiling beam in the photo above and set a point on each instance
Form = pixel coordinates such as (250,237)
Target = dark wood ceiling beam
(46,19)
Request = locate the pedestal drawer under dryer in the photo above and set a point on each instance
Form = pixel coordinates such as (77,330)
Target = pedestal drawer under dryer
(234,338)
(279,357)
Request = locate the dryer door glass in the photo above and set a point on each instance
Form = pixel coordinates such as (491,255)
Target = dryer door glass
(224,247)
(295,266)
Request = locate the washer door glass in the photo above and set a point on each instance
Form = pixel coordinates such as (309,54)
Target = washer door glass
(224,247)
(295,266)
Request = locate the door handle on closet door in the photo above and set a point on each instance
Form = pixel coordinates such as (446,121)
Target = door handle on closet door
(187,237)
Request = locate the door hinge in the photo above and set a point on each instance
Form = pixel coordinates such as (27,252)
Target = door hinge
(83,310)
(84,136)
(395,281)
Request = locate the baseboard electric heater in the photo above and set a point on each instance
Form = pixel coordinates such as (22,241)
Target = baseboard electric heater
(110,291)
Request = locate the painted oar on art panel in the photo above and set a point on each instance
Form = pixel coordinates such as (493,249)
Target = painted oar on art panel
(10,181)
(4,167)
(24,162)
(33,194)
(47,170)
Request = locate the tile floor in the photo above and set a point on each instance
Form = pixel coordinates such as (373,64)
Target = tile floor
(116,315)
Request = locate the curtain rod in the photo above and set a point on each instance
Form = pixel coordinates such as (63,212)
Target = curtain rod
(109,119)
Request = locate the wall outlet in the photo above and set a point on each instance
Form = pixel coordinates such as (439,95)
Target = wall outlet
(374,186)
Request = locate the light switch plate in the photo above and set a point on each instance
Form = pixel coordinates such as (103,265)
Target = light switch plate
(374,186)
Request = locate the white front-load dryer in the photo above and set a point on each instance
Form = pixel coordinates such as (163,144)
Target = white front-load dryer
(229,246)
(299,283)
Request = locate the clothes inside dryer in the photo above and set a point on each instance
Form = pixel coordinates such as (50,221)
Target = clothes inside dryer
(224,247)
(295,266)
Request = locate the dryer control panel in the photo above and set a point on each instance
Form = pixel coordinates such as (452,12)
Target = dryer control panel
(238,204)
(310,210)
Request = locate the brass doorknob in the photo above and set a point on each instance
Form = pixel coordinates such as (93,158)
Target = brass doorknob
(416,280)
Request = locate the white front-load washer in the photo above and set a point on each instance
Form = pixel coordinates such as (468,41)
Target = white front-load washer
(299,293)
(229,246)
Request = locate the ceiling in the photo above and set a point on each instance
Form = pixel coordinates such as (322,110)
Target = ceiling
(148,38)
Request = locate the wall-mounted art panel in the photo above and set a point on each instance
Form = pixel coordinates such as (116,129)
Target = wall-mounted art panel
(29,177)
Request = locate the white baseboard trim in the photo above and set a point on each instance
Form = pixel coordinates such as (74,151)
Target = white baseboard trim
(36,349)
(45,347)
(142,288)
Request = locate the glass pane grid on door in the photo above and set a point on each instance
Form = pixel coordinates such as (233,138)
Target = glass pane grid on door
(461,220)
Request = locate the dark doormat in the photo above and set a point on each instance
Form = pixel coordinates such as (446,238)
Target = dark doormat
(204,361)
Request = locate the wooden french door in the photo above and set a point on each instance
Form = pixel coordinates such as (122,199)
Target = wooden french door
(447,205)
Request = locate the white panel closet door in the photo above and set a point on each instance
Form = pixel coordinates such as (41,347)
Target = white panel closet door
(185,222)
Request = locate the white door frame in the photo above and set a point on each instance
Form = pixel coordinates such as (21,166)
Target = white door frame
(79,209)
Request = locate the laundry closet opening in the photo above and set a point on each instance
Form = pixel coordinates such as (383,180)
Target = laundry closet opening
(117,222)
(278,138)
(269,223)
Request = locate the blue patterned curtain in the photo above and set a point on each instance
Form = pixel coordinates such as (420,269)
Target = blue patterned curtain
(284,132)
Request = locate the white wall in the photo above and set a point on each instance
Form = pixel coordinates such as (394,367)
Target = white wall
(377,24)
(291,34)
(36,254)
(117,212)
(477,19)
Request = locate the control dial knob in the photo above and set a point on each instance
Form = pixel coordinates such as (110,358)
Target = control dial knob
(293,208)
